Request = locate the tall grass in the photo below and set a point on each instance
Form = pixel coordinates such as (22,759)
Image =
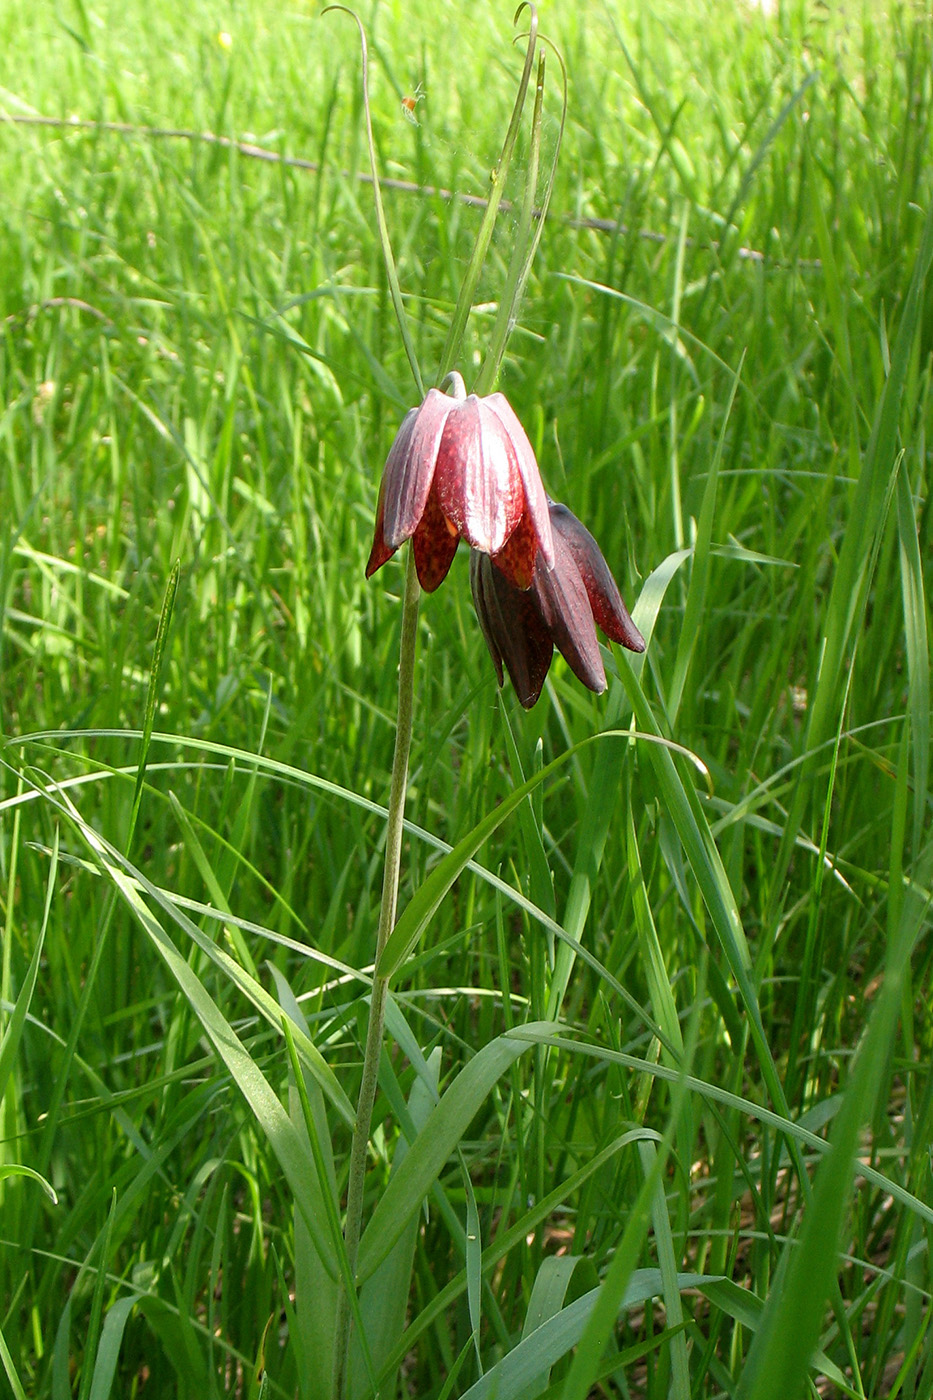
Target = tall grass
(656,1109)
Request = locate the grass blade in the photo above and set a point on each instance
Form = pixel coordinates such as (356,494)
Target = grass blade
(152,692)
(431,1150)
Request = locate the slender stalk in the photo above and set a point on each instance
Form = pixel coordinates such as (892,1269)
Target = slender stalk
(520,263)
(526,243)
(377,1003)
(457,327)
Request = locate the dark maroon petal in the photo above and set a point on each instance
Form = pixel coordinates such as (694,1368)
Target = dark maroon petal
(565,610)
(479,587)
(516,558)
(409,468)
(380,551)
(513,628)
(435,545)
(606,603)
(479,487)
(536,503)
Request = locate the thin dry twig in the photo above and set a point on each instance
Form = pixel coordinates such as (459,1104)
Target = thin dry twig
(256,152)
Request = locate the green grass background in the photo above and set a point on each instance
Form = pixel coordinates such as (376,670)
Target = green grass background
(723,360)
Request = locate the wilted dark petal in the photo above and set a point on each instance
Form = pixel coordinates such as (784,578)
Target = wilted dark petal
(536,502)
(513,628)
(516,558)
(380,551)
(409,468)
(435,545)
(476,477)
(565,610)
(605,600)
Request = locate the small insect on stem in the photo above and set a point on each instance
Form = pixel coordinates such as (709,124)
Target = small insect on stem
(410,103)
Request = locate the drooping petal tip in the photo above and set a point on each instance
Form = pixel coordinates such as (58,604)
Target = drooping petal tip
(435,544)
(565,608)
(609,611)
(513,628)
(561,609)
(409,468)
(380,551)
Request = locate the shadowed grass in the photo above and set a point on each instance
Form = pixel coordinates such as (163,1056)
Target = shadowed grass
(730,382)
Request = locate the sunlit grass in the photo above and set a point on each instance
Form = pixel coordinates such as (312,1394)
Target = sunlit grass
(724,365)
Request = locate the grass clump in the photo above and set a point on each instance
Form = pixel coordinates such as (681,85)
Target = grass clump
(660,1065)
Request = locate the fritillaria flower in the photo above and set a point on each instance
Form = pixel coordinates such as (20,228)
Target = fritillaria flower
(462,466)
(562,609)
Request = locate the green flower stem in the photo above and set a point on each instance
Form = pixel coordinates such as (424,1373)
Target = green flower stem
(377,1003)
(520,263)
(455,333)
(526,241)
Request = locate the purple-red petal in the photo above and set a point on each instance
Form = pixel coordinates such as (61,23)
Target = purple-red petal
(476,476)
(380,551)
(536,502)
(605,600)
(485,608)
(516,558)
(513,628)
(409,469)
(435,545)
(565,609)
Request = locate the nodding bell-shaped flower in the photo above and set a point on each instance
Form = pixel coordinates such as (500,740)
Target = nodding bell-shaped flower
(462,465)
(562,609)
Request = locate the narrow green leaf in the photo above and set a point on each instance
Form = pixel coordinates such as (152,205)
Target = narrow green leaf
(385,243)
(473,1261)
(658,320)
(849,594)
(716,1094)
(746,1308)
(311,1057)
(249,1078)
(552,1284)
(173,1327)
(540,880)
(691,630)
(427,899)
(646,610)
(61,1355)
(673,1305)
(16,1385)
(709,872)
(555,1337)
(525,241)
(152,693)
(431,1150)
(14,1169)
(598,813)
(615,1287)
(384,1296)
(9,1044)
(509,1239)
(97,1302)
(659,986)
(330,1204)
(917,648)
(108,1349)
(206,872)
(793,1314)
